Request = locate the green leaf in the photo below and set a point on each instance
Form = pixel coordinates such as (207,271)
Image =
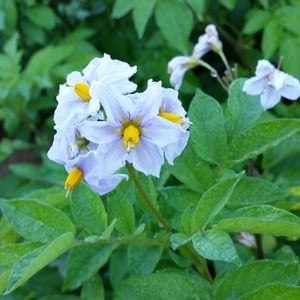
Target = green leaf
(93,289)
(119,208)
(212,202)
(288,49)
(36,221)
(88,210)
(42,16)
(253,190)
(179,239)
(216,244)
(142,12)
(256,20)
(142,259)
(271,38)
(9,254)
(179,197)
(163,285)
(229,4)
(195,173)
(261,137)
(122,7)
(175,21)
(274,291)
(264,219)
(208,135)
(252,276)
(242,110)
(198,7)
(85,261)
(29,264)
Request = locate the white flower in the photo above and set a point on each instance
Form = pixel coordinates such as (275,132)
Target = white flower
(246,239)
(80,159)
(177,67)
(133,131)
(74,97)
(172,110)
(271,84)
(89,168)
(208,41)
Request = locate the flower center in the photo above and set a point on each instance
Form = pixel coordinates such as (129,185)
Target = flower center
(73,178)
(81,142)
(131,137)
(82,90)
(172,117)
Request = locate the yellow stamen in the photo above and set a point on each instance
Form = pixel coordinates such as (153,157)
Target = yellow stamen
(73,178)
(82,90)
(131,137)
(172,117)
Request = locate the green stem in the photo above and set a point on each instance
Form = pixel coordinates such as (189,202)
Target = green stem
(213,72)
(198,261)
(146,198)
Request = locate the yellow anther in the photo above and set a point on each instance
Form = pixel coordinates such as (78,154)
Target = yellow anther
(172,117)
(131,137)
(82,90)
(73,178)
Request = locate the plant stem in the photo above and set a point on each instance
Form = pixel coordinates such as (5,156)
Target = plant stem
(146,198)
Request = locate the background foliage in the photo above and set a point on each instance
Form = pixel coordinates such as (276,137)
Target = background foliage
(244,177)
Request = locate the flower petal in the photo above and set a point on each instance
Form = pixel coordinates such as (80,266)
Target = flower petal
(269,98)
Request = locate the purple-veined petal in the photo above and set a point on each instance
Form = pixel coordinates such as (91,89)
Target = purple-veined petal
(99,132)
(161,132)
(146,158)
(264,68)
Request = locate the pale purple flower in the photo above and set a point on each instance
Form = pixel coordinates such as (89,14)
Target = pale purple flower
(74,96)
(207,41)
(133,131)
(79,156)
(271,84)
(177,68)
(246,239)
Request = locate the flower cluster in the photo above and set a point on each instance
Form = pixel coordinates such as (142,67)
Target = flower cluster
(178,65)
(102,124)
(271,84)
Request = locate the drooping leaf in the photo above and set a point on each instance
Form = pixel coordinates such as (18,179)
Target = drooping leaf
(163,285)
(142,12)
(93,289)
(254,190)
(216,244)
(88,210)
(142,260)
(256,20)
(213,201)
(271,38)
(208,135)
(195,173)
(29,264)
(175,21)
(36,221)
(119,208)
(122,7)
(252,276)
(242,110)
(85,261)
(264,219)
(273,291)
(261,137)
(42,16)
